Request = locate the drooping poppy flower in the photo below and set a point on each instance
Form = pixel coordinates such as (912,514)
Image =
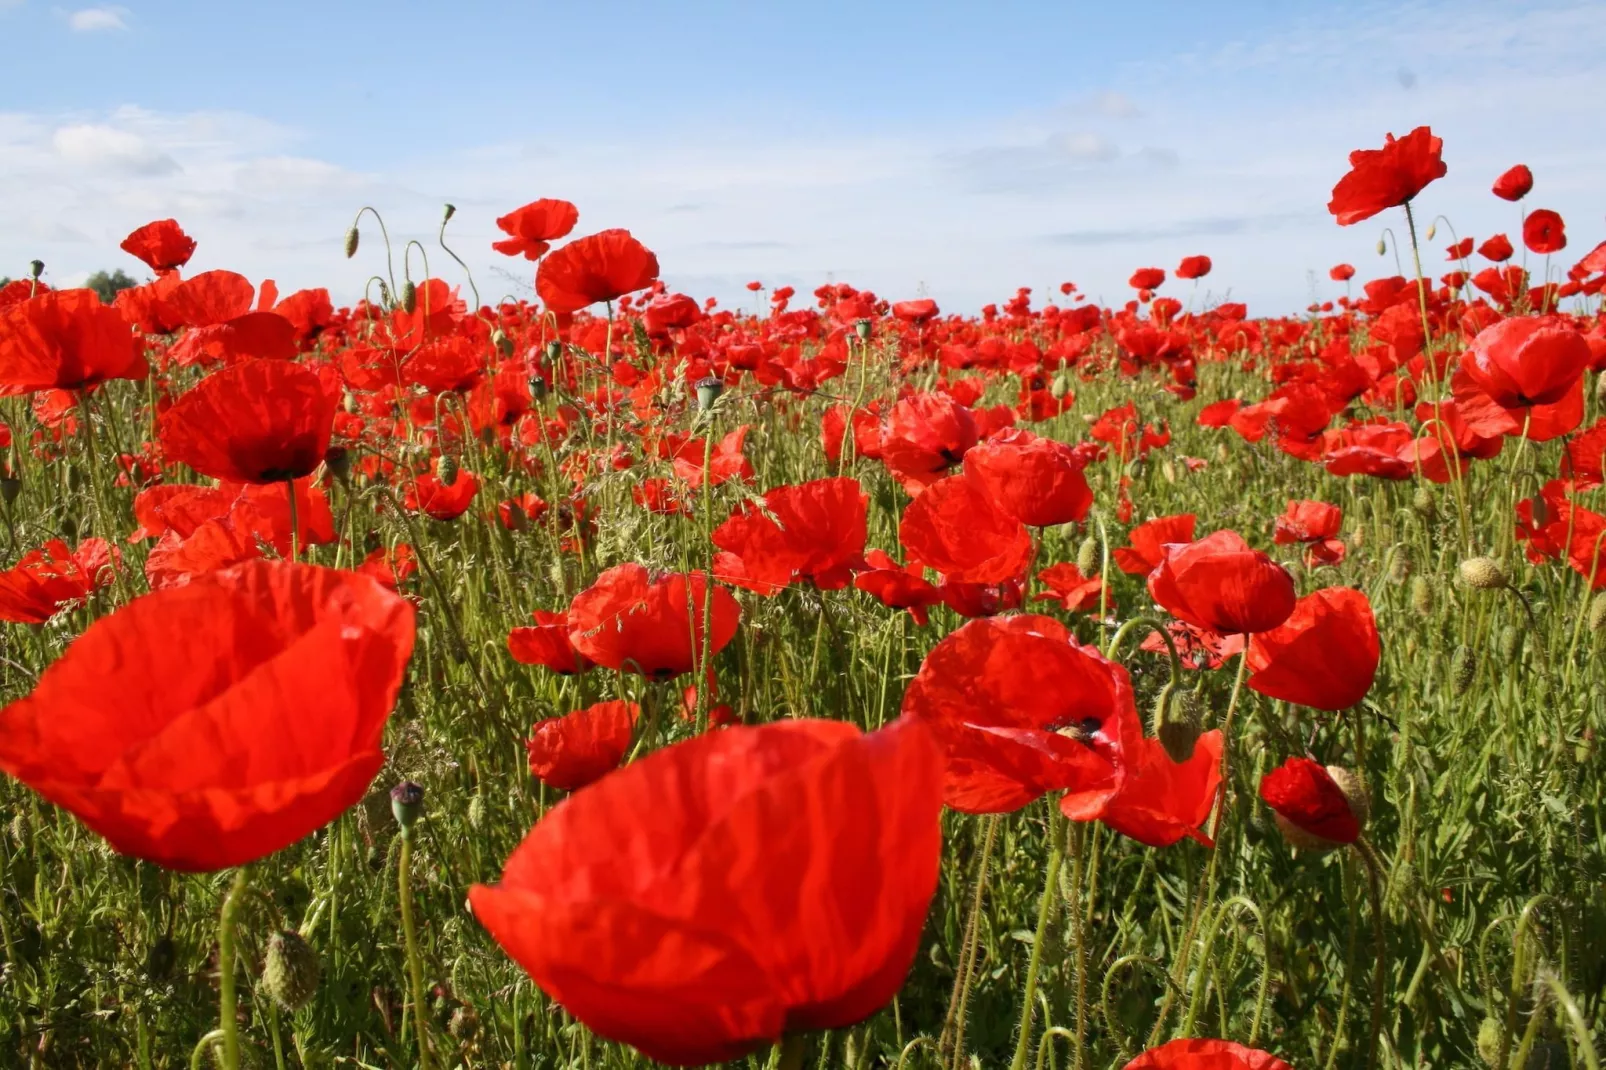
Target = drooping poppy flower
(1527,360)
(1193,267)
(631,622)
(1150,278)
(438,500)
(547,644)
(1159,801)
(65,340)
(955,528)
(813,531)
(720,893)
(1514,184)
(924,436)
(212,724)
(1385,178)
(578,748)
(1314,523)
(1544,232)
(599,267)
(264,421)
(1497,248)
(162,245)
(1324,655)
(1305,795)
(47,580)
(1147,543)
(1036,480)
(1022,710)
(897,587)
(1205,1055)
(534,227)
(1221,583)
(1073,591)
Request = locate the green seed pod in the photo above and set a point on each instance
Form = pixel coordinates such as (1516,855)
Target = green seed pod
(1489,1041)
(36,268)
(1484,573)
(1597,612)
(476,813)
(409,295)
(554,350)
(352,239)
(339,461)
(708,391)
(447,214)
(1463,669)
(1087,556)
(1168,470)
(503,344)
(1509,641)
(1400,566)
(1423,504)
(446,469)
(1422,596)
(1060,387)
(290,970)
(1223,454)
(862,329)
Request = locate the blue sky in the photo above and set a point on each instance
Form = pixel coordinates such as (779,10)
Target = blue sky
(957,150)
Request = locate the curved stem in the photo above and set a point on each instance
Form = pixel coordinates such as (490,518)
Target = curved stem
(1160,630)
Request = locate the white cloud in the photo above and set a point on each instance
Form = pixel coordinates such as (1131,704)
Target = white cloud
(1116,105)
(98,146)
(98,19)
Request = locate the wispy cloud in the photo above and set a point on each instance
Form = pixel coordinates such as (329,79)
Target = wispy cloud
(98,19)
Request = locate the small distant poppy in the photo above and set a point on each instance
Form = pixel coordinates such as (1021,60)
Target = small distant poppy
(534,227)
(1304,794)
(1149,540)
(629,621)
(1514,184)
(162,245)
(1221,583)
(1193,267)
(578,748)
(438,500)
(1544,232)
(1036,480)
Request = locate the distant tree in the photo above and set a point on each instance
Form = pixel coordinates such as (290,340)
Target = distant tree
(107,286)
(4,280)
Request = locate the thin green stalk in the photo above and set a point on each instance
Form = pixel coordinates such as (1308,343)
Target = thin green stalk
(228,1010)
(415,964)
(1045,913)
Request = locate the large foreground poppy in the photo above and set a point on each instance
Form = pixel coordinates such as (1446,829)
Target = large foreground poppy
(264,421)
(707,900)
(1324,655)
(1205,1055)
(212,724)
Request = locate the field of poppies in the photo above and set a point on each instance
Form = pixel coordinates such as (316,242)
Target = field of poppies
(615,680)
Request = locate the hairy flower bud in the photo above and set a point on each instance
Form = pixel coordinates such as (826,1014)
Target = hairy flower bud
(1484,573)
(1422,596)
(1463,669)
(1087,556)
(409,295)
(406,803)
(352,239)
(290,970)
(1597,612)
(1422,502)
(446,469)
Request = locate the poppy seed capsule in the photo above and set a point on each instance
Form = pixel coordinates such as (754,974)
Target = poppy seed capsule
(290,970)
(554,349)
(862,329)
(1060,387)
(1087,556)
(352,238)
(409,295)
(406,803)
(448,213)
(1484,573)
(338,459)
(708,391)
(503,344)
(36,268)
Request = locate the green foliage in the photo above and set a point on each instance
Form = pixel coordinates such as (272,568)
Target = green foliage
(109,285)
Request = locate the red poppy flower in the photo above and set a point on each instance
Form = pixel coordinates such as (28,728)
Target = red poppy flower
(517,514)
(897,587)
(924,436)
(915,311)
(1197,648)
(955,528)
(1526,360)
(1193,267)
(215,545)
(813,531)
(1544,232)
(535,226)
(1148,542)
(441,501)
(1222,584)
(65,340)
(1304,794)
(726,461)
(1146,278)
(254,335)
(571,751)
(1073,591)
(1205,1055)
(17,291)
(547,644)
(1323,656)
(47,580)
(1497,248)
(1313,523)
(1022,710)
(1514,184)
(599,267)
(210,725)
(1159,801)
(264,421)
(208,298)
(163,245)
(1385,178)
(1038,481)
(1341,272)
(629,621)
(704,901)
(390,568)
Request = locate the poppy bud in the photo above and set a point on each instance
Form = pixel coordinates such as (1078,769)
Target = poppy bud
(446,216)
(1422,596)
(338,460)
(1463,669)
(1597,612)
(1223,454)
(1433,228)
(708,392)
(290,970)
(406,803)
(1087,556)
(1381,247)
(1176,722)
(1168,470)
(476,812)
(446,469)
(1060,387)
(1489,1041)
(503,344)
(10,487)
(862,329)
(1422,503)
(1400,566)
(554,349)
(1484,573)
(1510,639)
(351,242)
(409,295)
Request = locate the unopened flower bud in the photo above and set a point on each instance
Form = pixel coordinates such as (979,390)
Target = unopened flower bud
(1060,387)
(406,803)
(1484,573)
(1597,612)
(1510,638)
(1176,722)
(1087,556)
(1433,228)
(1422,596)
(1422,502)
(1400,566)
(1382,247)
(409,295)
(446,469)
(352,238)
(1463,670)
(290,970)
